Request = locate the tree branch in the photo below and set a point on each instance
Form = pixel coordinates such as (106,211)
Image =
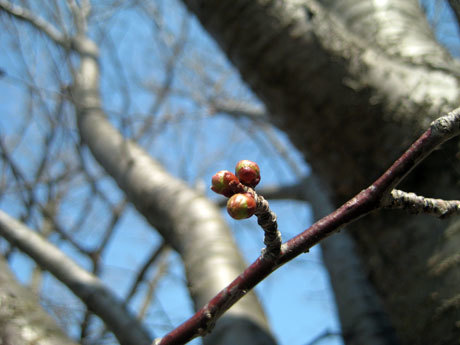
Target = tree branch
(87,287)
(419,204)
(39,23)
(368,200)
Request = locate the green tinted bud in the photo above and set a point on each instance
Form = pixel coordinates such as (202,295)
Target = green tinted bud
(221,182)
(241,206)
(248,173)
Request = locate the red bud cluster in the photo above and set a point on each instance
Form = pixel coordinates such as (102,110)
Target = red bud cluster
(241,204)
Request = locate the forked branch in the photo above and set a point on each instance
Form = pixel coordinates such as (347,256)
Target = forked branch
(36,21)
(379,195)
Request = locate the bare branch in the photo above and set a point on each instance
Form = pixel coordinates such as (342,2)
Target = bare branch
(39,23)
(87,287)
(170,70)
(143,271)
(163,266)
(326,334)
(368,200)
(80,14)
(418,204)
(238,109)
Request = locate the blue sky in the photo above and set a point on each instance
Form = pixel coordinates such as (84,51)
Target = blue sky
(193,145)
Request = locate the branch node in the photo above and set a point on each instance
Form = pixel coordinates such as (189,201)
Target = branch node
(266,218)
(448,124)
(416,204)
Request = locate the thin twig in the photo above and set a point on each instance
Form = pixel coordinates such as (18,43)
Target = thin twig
(143,271)
(326,334)
(39,23)
(163,267)
(418,204)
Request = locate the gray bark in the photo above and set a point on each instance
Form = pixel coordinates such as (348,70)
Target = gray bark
(22,320)
(351,94)
(98,298)
(187,220)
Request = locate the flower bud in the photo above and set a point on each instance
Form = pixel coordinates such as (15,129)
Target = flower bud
(221,182)
(241,206)
(248,173)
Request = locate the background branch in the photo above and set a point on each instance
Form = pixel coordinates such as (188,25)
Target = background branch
(22,319)
(39,23)
(87,287)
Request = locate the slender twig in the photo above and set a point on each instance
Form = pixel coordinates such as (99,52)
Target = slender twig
(143,271)
(154,257)
(39,23)
(370,199)
(326,334)
(163,267)
(76,43)
(418,204)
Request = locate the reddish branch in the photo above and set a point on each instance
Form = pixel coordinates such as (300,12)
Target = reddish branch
(374,197)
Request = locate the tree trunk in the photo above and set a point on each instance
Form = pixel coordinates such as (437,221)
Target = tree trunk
(352,90)
(22,320)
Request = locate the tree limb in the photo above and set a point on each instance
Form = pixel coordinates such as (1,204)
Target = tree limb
(368,200)
(39,23)
(87,287)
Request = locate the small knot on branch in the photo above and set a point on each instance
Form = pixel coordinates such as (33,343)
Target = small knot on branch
(266,218)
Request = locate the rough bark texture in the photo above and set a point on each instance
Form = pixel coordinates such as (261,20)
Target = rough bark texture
(352,90)
(22,320)
(187,220)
